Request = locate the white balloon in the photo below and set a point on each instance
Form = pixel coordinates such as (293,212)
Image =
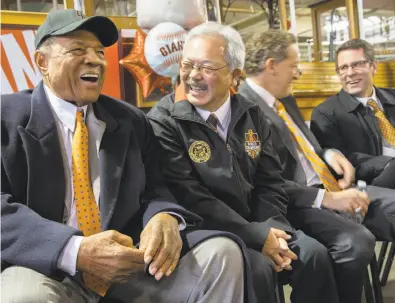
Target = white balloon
(186,13)
(163,48)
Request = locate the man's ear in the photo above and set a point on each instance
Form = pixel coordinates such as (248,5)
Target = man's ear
(40,58)
(271,66)
(236,76)
(374,65)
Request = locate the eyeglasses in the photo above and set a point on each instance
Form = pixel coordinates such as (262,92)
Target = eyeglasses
(354,65)
(187,67)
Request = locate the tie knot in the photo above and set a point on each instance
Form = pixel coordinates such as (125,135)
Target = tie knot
(279,106)
(213,120)
(373,104)
(80,115)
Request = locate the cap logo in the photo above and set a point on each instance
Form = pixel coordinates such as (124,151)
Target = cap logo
(79,14)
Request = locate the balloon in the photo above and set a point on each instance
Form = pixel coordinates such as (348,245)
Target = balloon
(163,48)
(186,13)
(136,64)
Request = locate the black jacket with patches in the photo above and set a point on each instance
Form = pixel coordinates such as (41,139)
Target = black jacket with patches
(232,189)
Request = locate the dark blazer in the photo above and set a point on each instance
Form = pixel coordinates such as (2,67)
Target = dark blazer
(231,190)
(342,122)
(33,178)
(301,195)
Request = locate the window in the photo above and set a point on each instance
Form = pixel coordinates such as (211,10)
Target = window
(379,27)
(42,6)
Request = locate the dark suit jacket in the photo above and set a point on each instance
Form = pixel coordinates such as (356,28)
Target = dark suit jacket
(342,122)
(33,178)
(301,195)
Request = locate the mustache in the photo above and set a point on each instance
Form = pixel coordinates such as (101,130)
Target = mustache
(197,85)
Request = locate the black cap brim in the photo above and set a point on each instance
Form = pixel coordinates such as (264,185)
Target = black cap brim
(102,27)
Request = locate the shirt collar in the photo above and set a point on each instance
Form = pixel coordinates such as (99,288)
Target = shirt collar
(221,113)
(364,101)
(263,93)
(65,111)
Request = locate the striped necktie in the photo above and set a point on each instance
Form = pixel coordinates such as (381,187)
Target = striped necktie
(319,166)
(88,215)
(387,130)
(213,121)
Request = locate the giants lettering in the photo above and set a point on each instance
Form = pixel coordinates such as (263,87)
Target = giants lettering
(173,47)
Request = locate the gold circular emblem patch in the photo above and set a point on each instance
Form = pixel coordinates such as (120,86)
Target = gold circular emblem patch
(199,151)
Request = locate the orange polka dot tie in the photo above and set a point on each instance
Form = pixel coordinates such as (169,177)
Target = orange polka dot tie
(387,130)
(88,215)
(319,166)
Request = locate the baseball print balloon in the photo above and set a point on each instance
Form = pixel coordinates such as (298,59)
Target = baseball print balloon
(163,48)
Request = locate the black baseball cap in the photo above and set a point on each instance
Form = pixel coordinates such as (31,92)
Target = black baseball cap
(62,22)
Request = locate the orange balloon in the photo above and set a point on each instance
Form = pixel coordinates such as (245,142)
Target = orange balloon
(137,65)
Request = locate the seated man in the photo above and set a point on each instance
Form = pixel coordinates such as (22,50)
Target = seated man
(79,182)
(272,62)
(219,162)
(360,120)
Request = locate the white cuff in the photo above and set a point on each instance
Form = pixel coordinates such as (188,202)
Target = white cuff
(182,225)
(67,261)
(318,200)
(328,155)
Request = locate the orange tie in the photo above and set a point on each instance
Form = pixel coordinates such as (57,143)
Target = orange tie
(319,166)
(88,215)
(387,130)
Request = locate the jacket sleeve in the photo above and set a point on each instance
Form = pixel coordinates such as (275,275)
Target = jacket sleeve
(367,167)
(300,196)
(27,239)
(185,185)
(156,197)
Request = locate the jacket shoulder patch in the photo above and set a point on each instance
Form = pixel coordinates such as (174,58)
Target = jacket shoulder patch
(252,144)
(199,152)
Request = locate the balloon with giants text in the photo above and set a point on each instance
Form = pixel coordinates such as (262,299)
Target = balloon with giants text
(163,48)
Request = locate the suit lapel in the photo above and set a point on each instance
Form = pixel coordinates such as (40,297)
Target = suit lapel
(388,102)
(112,154)
(280,126)
(46,178)
(368,122)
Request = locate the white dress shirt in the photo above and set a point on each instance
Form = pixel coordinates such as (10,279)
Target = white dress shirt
(388,149)
(223,115)
(65,112)
(311,176)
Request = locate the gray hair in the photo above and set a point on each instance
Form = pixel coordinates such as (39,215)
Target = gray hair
(273,43)
(234,50)
(46,45)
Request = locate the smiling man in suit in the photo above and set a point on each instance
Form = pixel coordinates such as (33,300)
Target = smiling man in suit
(81,187)
(316,196)
(360,120)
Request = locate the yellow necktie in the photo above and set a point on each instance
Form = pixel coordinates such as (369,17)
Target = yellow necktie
(319,166)
(387,130)
(88,215)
